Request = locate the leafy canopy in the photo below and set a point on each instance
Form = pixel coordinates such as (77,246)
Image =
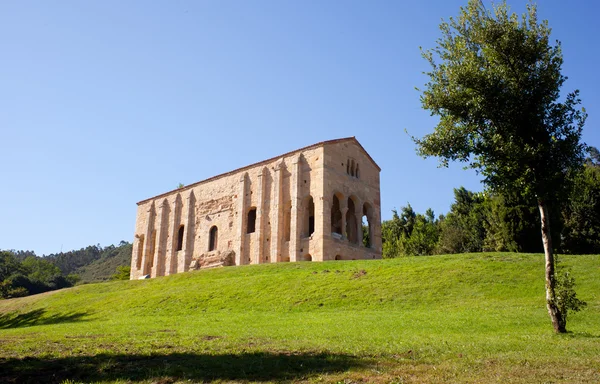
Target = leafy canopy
(495,85)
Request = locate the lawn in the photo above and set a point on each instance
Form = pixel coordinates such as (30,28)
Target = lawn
(460,318)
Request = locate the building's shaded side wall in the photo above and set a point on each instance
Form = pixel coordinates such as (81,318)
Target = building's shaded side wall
(349,174)
(279,192)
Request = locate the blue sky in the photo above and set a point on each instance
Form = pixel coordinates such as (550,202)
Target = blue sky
(106,103)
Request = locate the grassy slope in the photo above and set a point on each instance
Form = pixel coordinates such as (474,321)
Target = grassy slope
(471,318)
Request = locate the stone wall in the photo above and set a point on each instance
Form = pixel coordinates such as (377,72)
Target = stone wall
(274,211)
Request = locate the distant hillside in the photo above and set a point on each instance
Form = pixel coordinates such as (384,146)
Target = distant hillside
(102,268)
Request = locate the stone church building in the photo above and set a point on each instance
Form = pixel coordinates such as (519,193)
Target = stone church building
(305,205)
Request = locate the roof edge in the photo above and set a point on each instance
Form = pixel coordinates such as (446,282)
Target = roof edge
(287,154)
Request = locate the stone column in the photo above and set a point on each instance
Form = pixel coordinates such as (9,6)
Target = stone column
(358,215)
(258,247)
(161,237)
(148,246)
(183,263)
(344,210)
(277,213)
(240,246)
(296,225)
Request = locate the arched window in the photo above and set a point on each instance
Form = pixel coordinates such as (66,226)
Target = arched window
(357,174)
(367,225)
(352,168)
(180,238)
(213,237)
(251,224)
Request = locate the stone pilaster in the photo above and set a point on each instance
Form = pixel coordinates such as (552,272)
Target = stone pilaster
(296,224)
(240,247)
(174,223)
(277,213)
(161,237)
(148,251)
(187,252)
(258,247)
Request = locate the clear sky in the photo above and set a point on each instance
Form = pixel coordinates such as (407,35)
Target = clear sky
(105,103)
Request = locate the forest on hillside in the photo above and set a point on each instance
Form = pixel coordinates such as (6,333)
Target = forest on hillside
(484,221)
(24,273)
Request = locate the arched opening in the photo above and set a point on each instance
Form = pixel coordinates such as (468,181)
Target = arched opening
(351,222)
(336,216)
(309,217)
(213,238)
(307,257)
(251,224)
(338,257)
(180,238)
(140,252)
(367,225)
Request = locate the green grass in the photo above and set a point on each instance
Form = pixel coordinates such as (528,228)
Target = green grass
(459,318)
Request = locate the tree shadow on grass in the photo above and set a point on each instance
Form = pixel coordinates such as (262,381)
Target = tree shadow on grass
(36,317)
(258,366)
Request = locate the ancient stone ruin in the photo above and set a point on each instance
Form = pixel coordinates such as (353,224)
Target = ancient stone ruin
(306,205)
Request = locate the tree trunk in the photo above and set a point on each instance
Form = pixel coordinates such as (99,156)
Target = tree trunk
(557,317)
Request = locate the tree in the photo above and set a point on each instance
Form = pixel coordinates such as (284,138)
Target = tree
(496,91)
(122,273)
(581,232)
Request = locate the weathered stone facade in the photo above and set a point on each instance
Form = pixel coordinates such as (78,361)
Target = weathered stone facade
(306,205)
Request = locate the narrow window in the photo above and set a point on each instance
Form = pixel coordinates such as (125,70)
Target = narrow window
(336,216)
(212,243)
(357,172)
(309,217)
(348,167)
(352,168)
(251,225)
(140,252)
(180,238)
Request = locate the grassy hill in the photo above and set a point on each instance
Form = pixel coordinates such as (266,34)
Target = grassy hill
(459,318)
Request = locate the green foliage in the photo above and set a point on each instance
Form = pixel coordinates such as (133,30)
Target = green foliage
(581,233)
(496,91)
(123,273)
(410,233)
(462,229)
(566,297)
(102,268)
(24,273)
